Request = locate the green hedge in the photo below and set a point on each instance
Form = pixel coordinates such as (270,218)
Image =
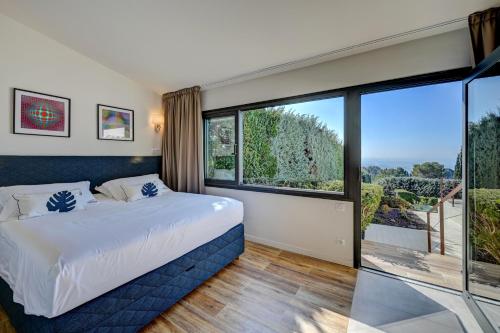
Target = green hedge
(371,195)
(406,195)
(420,186)
(484,217)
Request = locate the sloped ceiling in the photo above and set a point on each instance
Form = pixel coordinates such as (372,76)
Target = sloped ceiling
(172,44)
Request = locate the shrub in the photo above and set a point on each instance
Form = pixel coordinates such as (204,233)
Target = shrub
(371,195)
(394,202)
(485,222)
(420,186)
(224,162)
(406,195)
(431,201)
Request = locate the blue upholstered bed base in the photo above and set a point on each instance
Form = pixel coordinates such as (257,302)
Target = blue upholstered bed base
(130,307)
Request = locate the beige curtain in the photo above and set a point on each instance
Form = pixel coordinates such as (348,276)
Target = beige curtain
(182,141)
(484,30)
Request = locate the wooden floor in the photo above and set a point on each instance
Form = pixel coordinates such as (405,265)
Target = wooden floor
(266,290)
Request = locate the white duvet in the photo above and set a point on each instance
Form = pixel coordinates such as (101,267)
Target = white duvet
(55,263)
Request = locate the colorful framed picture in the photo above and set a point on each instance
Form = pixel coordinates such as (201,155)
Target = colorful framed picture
(115,123)
(41,114)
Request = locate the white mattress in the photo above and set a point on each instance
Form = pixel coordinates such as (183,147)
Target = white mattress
(55,263)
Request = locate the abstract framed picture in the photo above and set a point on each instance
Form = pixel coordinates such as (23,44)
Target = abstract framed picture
(115,123)
(41,114)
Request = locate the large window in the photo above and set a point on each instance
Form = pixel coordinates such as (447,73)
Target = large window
(291,145)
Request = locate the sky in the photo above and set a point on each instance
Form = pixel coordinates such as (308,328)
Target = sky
(401,127)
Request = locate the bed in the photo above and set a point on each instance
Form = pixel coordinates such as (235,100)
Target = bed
(115,266)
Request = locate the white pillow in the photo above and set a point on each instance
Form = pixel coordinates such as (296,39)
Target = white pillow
(9,206)
(38,204)
(113,187)
(138,191)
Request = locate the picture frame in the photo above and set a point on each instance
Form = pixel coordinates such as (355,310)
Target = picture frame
(36,113)
(115,123)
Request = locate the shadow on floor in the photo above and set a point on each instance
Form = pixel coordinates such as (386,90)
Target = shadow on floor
(384,304)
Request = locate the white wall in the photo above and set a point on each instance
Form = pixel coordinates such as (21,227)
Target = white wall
(32,61)
(313,226)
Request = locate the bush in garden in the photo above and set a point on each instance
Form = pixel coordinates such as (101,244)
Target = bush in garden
(431,201)
(371,195)
(485,223)
(394,202)
(224,162)
(406,195)
(420,186)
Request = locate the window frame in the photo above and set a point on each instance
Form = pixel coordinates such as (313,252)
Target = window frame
(236,111)
(221,182)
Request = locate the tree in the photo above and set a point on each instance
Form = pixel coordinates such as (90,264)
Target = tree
(484,151)
(392,172)
(365,176)
(428,170)
(371,172)
(448,173)
(457,174)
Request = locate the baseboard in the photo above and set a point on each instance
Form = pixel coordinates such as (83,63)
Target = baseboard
(299,250)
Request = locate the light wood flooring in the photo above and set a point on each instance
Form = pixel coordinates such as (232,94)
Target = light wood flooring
(266,290)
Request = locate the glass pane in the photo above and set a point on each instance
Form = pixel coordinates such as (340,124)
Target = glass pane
(483,209)
(411,205)
(220,153)
(297,146)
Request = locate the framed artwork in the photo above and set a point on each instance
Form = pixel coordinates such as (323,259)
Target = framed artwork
(41,114)
(115,123)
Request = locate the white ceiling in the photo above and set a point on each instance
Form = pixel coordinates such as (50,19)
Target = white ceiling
(172,44)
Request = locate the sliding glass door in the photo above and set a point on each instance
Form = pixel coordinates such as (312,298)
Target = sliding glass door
(482,190)
(411,203)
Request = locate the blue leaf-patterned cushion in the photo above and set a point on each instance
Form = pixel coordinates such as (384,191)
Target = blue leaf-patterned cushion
(61,202)
(145,190)
(149,190)
(38,204)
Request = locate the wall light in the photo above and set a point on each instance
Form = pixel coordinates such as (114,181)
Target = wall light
(157,121)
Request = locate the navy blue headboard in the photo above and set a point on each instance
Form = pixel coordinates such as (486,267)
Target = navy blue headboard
(33,170)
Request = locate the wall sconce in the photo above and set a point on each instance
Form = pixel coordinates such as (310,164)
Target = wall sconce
(157,121)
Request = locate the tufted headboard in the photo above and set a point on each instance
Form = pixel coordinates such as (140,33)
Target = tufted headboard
(33,170)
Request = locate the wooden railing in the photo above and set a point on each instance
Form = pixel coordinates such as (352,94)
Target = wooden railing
(440,204)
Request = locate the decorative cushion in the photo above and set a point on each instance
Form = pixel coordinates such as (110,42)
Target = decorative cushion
(149,189)
(113,187)
(9,208)
(38,204)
